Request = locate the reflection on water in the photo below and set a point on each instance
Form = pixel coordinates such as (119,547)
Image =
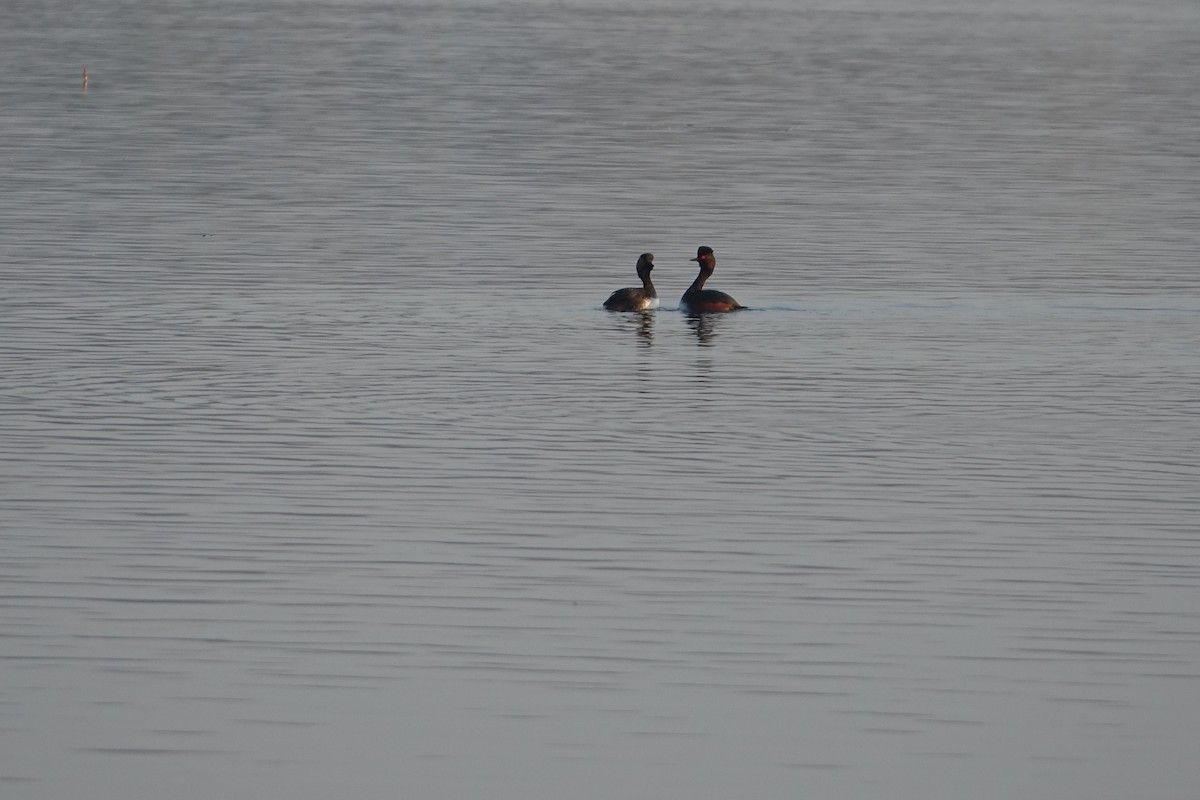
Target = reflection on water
(323,474)
(705,326)
(642,323)
(645,329)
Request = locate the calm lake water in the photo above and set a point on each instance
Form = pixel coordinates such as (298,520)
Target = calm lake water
(324,474)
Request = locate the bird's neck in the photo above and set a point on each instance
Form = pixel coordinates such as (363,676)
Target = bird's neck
(698,284)
(648,285)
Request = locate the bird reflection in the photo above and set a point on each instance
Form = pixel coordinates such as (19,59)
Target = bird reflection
(641,323)
(704,326)
(645,328)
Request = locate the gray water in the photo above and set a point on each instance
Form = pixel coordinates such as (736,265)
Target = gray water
(324,474)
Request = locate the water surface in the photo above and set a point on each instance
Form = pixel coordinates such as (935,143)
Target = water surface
(324,473)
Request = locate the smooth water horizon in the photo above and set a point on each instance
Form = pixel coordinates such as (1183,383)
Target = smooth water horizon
(324,472)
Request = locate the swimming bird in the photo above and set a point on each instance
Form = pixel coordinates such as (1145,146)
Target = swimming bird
(634,299)
(697,299)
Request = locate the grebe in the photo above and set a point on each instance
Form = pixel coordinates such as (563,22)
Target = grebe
(634,299)
(697,299)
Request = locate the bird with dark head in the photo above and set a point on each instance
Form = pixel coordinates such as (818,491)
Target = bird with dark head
(697,299)
(633,298)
